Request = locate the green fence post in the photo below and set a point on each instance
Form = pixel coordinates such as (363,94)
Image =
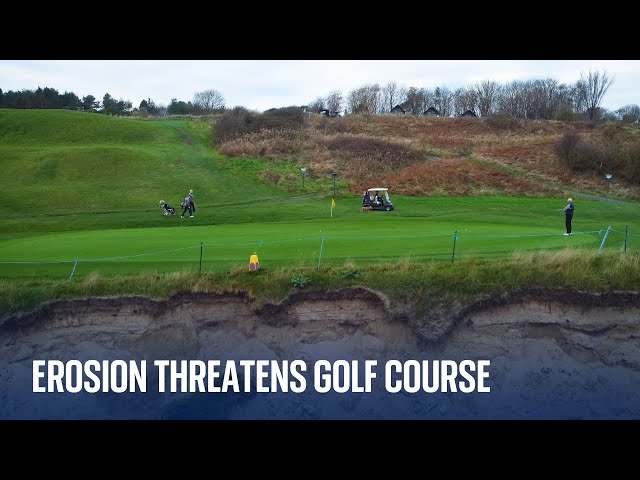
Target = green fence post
(320,257)
(200,257)
(455,237)
(73,270)
(626,235)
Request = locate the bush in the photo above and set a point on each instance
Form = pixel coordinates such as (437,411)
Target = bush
(288,118)
(580,155)
(300,280)
(632,167)
(233,123)
(351,274)
(567,145)
(240,121)
(565,114)
(465,149)
(351,146)
(502,121)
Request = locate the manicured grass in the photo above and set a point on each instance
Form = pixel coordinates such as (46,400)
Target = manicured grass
(421,228)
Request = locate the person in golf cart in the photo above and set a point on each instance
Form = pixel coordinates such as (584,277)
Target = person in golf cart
(373,199)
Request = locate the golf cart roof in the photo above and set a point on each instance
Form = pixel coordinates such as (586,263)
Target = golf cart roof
(382,189)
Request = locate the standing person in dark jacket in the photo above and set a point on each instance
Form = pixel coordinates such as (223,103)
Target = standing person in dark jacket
(189,205)
(568,215)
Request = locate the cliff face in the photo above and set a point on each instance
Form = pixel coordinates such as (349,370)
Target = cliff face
(554,354)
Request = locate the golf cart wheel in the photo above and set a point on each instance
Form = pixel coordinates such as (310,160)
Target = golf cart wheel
(387,208)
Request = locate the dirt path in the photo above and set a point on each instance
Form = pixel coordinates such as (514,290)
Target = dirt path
(186,138)
(595,197)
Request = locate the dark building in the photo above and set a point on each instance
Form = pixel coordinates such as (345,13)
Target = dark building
(397,110)
(432,112)
(468,113)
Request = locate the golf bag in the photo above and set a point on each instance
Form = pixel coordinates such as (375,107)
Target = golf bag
(167,209)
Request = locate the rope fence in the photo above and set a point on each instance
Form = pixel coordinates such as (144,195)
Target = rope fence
(317,250)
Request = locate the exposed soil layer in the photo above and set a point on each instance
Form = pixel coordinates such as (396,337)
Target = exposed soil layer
(554,353)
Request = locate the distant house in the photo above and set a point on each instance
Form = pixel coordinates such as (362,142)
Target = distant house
(397,110)
(469,113)
(432,112)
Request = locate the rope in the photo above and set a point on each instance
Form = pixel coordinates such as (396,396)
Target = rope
(38,263)
(332,237)
(138,255)
(525,235)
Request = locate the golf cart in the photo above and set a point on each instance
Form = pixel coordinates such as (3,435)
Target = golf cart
(377,199)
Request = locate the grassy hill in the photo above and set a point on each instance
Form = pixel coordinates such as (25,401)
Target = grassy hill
(66,170)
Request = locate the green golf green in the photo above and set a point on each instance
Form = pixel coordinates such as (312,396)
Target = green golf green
(420,228)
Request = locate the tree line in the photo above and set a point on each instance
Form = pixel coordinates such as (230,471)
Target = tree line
(531,99)
(205,102)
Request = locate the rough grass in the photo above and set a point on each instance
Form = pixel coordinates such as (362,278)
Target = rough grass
(420,285)
(461,177)
(375,150)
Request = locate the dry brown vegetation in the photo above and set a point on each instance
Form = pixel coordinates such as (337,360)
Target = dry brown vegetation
(460,177)
(421,155)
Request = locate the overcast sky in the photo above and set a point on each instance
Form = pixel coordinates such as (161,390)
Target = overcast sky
(262,84)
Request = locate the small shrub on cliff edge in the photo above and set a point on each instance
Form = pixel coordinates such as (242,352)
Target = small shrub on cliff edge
(300,280)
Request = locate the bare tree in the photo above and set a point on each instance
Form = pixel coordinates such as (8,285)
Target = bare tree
(443,101)
(356,101)
(401,95)
(542,98)
(334,101)
(590,90)
(375,98)
(365,100)
(486,94)
(427,99)
(209,100)
(511,100)
(415,101)
(392,95)
(629,113)
(546,97)
(465,99)
(317,105)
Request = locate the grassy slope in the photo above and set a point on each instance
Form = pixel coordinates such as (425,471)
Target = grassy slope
(460,156)
(75,171)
